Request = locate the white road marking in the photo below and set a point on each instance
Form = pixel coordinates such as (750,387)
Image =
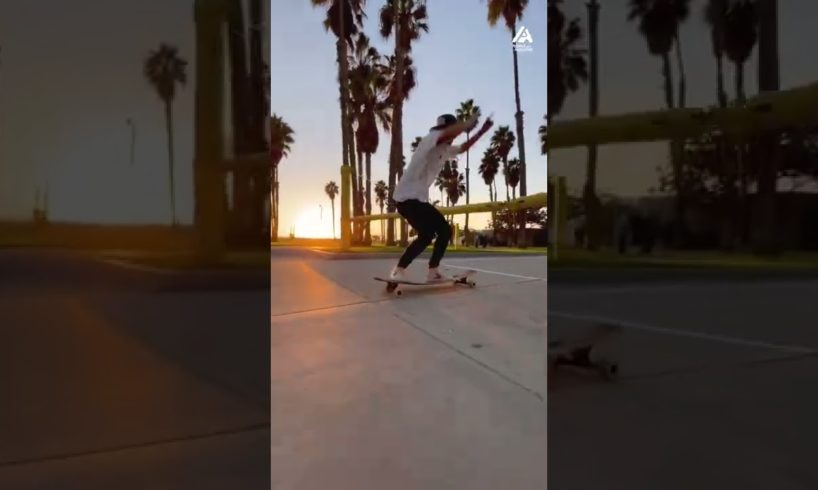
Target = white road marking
(506,274)
(684,333)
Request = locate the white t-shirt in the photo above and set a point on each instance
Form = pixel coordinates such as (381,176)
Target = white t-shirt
(422,171)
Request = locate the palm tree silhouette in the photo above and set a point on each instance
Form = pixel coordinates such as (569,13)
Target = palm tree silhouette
(740,38)
(511,11)
(369,88)
(503,141)
(405,20)
(488,169)
(659,22)
(715,15)
(512,174)
(467,110)
(164,69)
(281,137)
(331,189)
(567,67)
(344,18)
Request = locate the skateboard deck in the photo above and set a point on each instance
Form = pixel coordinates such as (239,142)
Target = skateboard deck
(393,286)
(579,352)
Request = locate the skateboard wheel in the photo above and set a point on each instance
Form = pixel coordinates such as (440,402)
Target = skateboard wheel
(398,292)
(472,284)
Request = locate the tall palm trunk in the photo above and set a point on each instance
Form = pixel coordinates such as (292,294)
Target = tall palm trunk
(259,111)
(721,94)
(765,240)
(468,136)
(343,76)
(589,192)
(332,202)
(396,149)
(361,202)
(209,184)
(239,93)
(682,89)
(368,199)
(675,153)
(169,128)
(356,173)
(274,206)
(741,174)
(518,116)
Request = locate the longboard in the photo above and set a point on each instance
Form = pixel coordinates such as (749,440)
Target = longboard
(393,286)
(579,352)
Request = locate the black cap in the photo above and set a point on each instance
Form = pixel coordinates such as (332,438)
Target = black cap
(444,121)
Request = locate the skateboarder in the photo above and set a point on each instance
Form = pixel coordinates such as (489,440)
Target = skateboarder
(412,192)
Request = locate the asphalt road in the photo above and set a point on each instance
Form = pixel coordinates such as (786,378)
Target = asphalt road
(718,372)
(120,378)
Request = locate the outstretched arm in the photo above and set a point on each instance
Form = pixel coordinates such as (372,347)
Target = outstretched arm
(471,141)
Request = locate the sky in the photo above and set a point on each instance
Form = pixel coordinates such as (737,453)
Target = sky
(461,57)
(630,81)
(70,77)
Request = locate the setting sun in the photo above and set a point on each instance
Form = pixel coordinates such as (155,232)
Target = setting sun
(314,222)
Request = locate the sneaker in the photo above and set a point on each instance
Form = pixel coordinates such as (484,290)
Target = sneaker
(398,274)
(436,276)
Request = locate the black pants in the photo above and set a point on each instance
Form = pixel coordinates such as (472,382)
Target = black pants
(428,223)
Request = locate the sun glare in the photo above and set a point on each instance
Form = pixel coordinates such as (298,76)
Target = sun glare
(314,223)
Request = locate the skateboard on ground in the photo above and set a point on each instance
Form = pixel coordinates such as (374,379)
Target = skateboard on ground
(579,352)
(463,278)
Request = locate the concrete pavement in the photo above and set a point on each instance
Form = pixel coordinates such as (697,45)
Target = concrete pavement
(442,388)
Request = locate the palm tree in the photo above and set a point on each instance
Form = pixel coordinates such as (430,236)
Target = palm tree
(543,131)
(659,22)
(344,19)
(331,189)
(467,110)
(381,194)
(768,80)
(512,174)
(406,20)
(503,141)
(369,87)
(740,37)
(281,137)
(447,173)
(715,15)
(249,85)
(590,199)
(567,67)
(511,11)
(489,167)
(164,69)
